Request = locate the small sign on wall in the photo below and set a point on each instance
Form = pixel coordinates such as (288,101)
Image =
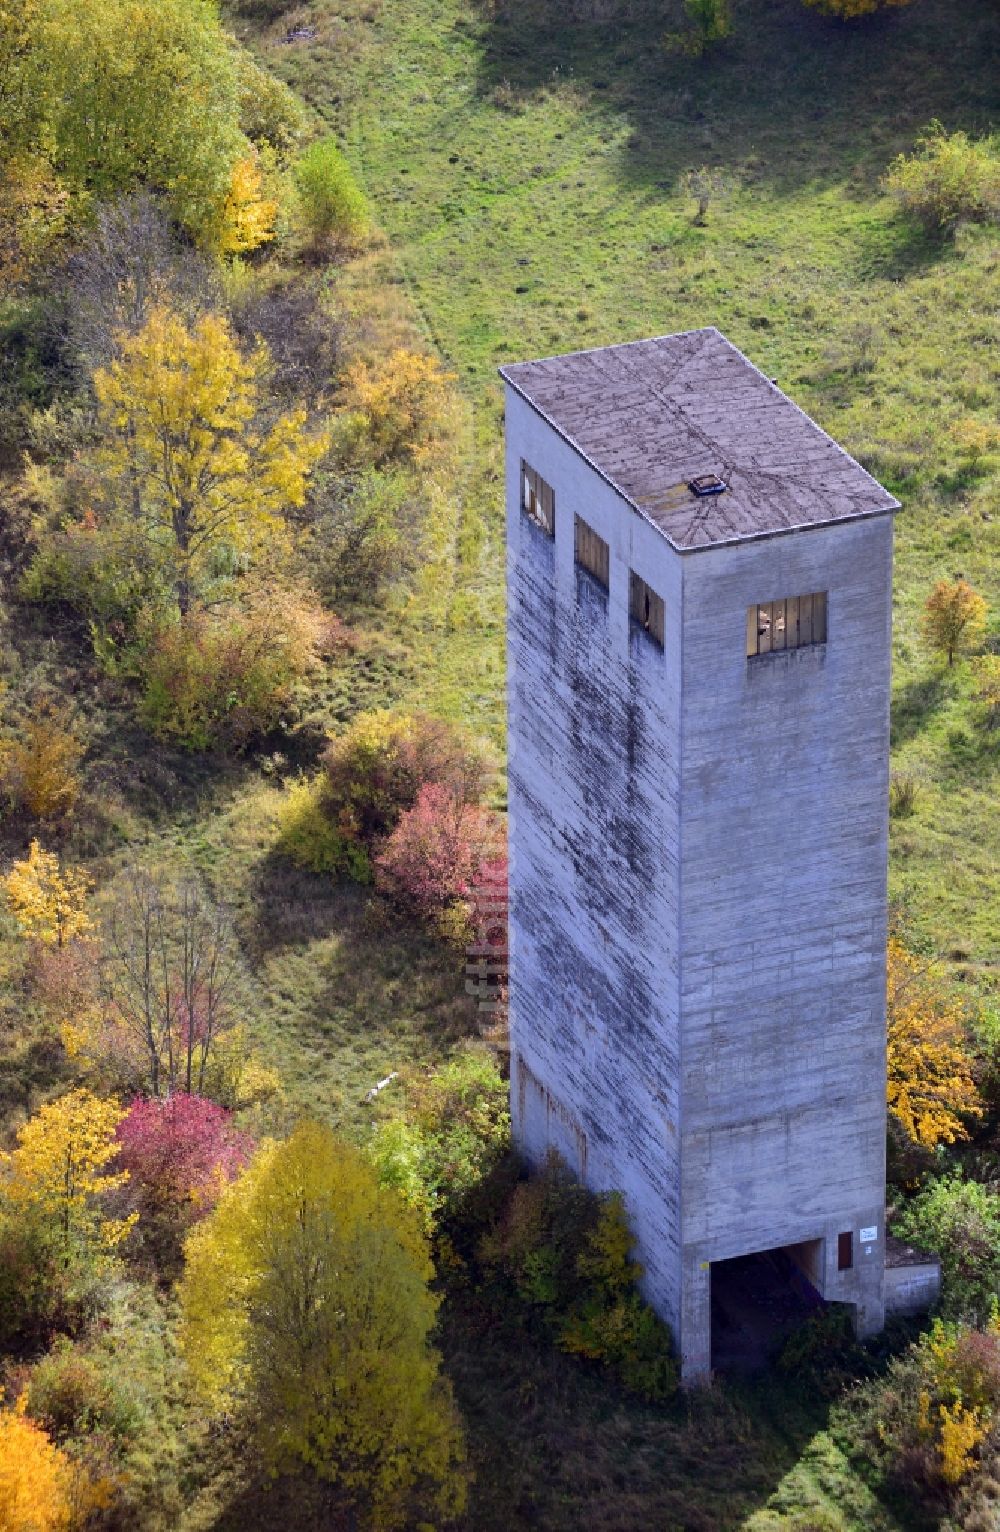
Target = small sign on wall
(869,1236)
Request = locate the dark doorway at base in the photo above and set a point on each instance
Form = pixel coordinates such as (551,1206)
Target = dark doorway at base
(757,1302)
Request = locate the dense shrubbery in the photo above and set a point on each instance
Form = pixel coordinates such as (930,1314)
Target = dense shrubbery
(960,1221)
(73,123)
(441,850)
(226,677)
(446,1136)
(932,1414)
(179,1154)
(372,774)
(332,204)
(948,178)
(566,1254)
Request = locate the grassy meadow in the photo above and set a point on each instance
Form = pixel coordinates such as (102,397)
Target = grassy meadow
(528,169)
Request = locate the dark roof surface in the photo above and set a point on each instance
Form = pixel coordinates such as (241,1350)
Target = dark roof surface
(651,415)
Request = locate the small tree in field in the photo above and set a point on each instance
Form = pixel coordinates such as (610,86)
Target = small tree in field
(332,203)
(432,860)
(49,902)
(306,1307)
(954,618)
(61,1171)
(168,982)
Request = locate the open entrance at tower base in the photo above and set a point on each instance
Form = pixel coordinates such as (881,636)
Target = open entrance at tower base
(758,1301)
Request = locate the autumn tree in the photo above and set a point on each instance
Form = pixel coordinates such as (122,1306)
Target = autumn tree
(39,769)
(48,901)
(60,1172)
(306,1306)
(180,1153)
(179,410)
(68,98)
(168,983)
(396,407)
(954,618)
(437,853)
(37,1479)
(930,1084)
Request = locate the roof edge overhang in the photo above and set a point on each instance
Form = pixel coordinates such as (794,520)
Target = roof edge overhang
(721,542)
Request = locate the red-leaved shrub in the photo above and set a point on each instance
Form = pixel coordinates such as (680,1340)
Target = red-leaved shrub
(179,1154)
(438,853)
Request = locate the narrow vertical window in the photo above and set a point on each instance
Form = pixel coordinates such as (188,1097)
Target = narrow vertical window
(646,608)
(791,623)
(845,1251)
(538,501)
(592,552)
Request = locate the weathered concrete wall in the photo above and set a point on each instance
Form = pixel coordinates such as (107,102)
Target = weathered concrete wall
(912,1289)
(783,910)
(593,737)
(697,912)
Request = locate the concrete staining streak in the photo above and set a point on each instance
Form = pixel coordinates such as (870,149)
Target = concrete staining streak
(698,851)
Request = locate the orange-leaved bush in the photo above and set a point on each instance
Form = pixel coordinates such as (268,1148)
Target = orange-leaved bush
(40,766)
(222,677)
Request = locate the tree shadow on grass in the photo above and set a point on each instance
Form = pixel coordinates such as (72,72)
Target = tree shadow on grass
(555,1444)
(914,705)
(805,100)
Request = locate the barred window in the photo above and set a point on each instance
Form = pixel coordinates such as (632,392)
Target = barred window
(538,499)
(592,552)
(646,608)
(789,624)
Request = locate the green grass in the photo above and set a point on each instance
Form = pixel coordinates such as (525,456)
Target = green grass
(528,168)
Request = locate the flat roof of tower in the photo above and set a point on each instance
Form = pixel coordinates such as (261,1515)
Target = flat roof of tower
(651,416)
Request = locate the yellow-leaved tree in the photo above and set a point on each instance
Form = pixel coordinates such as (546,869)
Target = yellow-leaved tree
(306,1307)
(179,410)
(930,1085)
(37,1479)
(49,902)
(954,618)
(246,217)
(60,1171)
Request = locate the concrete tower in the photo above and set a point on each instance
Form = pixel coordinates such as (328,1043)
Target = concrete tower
(699,598)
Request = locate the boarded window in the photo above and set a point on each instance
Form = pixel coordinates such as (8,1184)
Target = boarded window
(791,623)
(845,1251)
(646,608)
(538,499)
(592,552)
